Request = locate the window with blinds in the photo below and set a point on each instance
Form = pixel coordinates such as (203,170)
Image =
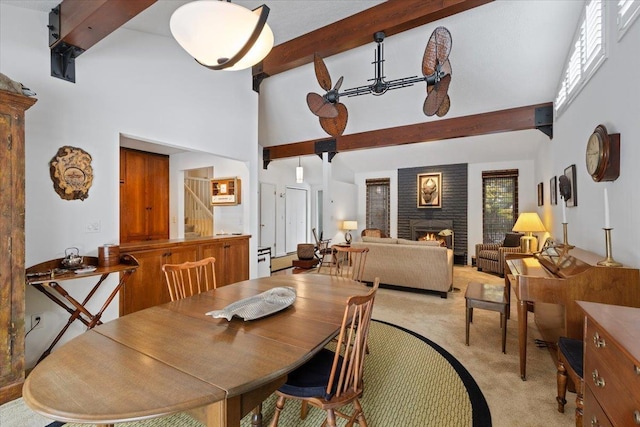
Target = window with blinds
(499,204)
(586,55)
(628,11)
(378,202)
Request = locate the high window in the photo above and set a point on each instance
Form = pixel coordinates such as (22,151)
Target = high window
(628,11)
(586,55)
(499,204)
(378,200)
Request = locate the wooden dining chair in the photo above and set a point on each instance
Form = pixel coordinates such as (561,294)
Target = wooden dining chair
(349,262)
(333,379)
(190,278)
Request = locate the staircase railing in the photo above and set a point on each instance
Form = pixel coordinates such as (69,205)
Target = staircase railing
(198,212)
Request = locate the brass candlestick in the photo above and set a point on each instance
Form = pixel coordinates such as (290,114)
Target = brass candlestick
(565,242)
(608,261)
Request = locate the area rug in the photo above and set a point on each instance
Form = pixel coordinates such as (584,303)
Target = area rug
(409,381)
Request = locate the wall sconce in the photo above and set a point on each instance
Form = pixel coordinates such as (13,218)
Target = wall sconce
(299,173)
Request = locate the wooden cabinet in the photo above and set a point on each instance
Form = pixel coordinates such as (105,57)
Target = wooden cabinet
(147,287)
(12,280)
(232,260)
(611,365)
(144,196)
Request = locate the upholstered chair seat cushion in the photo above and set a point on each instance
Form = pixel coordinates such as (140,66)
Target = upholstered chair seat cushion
(492,255)
(572,349)
(311,379)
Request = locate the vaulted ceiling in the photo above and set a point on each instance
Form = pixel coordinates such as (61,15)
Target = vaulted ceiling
(523,44)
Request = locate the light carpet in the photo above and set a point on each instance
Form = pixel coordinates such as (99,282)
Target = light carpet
(409,381)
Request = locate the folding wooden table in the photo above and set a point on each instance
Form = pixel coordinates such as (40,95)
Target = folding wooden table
(47,276)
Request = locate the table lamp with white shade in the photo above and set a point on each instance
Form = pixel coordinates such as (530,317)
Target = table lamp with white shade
(529,223)
(348,226)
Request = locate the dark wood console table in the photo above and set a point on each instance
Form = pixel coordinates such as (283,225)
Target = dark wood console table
(47,277)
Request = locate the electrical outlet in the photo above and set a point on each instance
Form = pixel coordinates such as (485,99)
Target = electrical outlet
(36,321)
(93,227)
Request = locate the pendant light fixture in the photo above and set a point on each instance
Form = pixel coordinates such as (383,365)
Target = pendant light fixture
(221,35)
(299,173)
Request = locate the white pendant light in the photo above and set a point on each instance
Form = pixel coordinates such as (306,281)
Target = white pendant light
(222,35)
(299,173)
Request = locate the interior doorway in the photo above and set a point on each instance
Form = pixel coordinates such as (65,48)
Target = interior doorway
(198,212)
(268,216)
(296,214)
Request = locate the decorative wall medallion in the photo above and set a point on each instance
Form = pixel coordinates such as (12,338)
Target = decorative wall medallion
(71,173)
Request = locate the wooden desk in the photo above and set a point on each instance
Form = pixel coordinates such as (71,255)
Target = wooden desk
(173,357)
(44,278)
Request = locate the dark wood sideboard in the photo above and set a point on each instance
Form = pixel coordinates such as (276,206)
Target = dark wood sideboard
(147,287)
(611,365)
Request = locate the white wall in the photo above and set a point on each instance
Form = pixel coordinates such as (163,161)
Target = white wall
(130,83)
(612,98)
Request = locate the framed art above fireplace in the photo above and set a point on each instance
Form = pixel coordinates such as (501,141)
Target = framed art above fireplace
(429,186)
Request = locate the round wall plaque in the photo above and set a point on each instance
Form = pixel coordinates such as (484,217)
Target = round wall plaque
(71,173)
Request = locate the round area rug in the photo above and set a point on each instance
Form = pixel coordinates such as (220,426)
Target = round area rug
(409,382)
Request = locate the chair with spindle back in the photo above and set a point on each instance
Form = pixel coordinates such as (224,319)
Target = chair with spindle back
(190,278)
(332,379)
(349,262)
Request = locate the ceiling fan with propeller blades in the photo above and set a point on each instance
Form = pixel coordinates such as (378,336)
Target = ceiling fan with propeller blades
(436,72)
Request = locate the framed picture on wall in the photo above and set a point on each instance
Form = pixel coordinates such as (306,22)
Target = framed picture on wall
(429,190)
(553,191)
(540,194)
(570,173)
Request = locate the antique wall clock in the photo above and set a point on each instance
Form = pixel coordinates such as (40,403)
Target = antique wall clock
(603,155)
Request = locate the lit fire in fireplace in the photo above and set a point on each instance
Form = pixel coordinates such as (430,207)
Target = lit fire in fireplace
(428,236)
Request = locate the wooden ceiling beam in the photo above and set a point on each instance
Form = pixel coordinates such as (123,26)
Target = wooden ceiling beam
(77,25)
(392,17)
(539,116)
(84,23)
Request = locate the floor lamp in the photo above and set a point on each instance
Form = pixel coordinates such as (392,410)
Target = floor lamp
(529,223)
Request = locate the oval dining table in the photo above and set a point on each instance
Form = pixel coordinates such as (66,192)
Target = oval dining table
(173,357)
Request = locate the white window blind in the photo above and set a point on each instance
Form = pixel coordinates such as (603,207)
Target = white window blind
(628,11)
(586,55)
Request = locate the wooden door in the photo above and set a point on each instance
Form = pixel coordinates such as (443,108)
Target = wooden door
(133,204)
(237,261)
(146,287)
(144,196)
(157,196)
(216,250)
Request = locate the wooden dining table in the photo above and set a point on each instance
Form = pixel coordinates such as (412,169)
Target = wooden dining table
(173,357)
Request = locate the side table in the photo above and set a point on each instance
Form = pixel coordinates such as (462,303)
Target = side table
(47,277)
(487,297)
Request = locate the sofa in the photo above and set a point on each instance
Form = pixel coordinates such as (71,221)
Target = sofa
(490,257)
(407,263)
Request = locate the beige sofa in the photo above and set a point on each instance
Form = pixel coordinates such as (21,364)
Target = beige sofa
(408,263)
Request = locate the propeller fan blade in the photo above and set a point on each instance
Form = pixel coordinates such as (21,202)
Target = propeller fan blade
(444,107)
(322,74)
(446,68)
(320,106)
(338,84)
(436,96)
(436,51)
(335,126)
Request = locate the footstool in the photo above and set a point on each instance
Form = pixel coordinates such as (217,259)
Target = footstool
(487,297)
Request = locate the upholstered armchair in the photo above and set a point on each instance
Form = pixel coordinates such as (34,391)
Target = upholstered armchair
(490,256)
